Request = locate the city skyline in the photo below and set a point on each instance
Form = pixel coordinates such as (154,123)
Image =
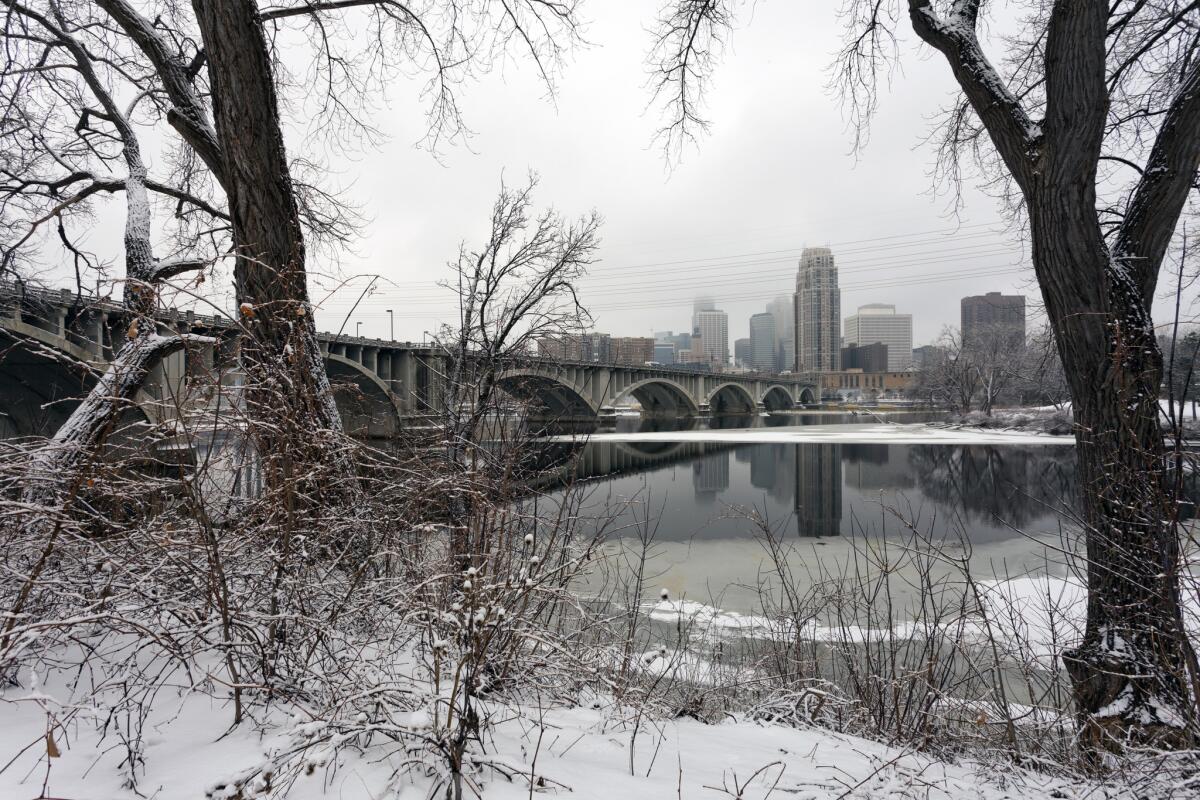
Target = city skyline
(716,208)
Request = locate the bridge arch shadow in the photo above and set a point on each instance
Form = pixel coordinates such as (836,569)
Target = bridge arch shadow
(43,378)
(777,398)
(547,396)
(660,397)
(366,405)
(731,398)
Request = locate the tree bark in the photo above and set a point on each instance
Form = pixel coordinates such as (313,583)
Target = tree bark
(288,396)
(80,437)
(1130,673)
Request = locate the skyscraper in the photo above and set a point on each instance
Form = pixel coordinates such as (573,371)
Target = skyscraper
(741,352)
(879,322)
(713,326)
(994,314)
(763,343)
(818,304)
(784,312)
(701,303)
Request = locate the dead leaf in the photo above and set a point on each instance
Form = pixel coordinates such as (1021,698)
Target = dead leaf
(51,748)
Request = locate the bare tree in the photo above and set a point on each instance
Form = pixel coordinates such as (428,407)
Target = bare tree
(518,287)
(1042,376)
(69,138)
(997,358)
(210,80)
(948,377)
(1093,123)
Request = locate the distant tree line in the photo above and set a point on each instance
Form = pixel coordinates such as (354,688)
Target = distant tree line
(989,370)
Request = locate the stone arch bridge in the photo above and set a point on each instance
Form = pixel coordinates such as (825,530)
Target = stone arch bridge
(53,346)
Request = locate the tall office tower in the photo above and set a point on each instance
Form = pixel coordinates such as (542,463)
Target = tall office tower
(701,303)
(784,312)
(763,344)
(879,322)
(713,326)
(818,304)
(994,314)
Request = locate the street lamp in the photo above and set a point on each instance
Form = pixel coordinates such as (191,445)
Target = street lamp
(391,325)
(358,330)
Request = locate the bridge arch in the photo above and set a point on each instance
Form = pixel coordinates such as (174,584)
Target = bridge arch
(550,394)
(365,403)
(807,396)
(661,397)
(731,398)
(43,378)
(777,398)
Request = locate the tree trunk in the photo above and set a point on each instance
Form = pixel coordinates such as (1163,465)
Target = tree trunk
(60,460)
(1129,674)
(288,396)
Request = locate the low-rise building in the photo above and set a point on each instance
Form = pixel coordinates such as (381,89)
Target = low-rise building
(867,357)
(632,351)
(856,384)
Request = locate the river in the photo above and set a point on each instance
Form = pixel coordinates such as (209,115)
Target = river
(1004,508)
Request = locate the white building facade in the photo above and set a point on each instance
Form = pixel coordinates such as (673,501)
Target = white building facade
(879,322)
(713,326)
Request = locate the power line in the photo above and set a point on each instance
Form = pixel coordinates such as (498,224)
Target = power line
(915,280)
(592,291)
(786,255)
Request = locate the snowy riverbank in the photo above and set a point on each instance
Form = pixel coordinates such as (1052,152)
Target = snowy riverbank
(590,750)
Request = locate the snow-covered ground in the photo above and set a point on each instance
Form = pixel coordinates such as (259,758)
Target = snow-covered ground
(842,434)
(581,752)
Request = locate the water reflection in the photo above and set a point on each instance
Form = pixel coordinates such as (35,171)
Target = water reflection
(836,489)
(818,502)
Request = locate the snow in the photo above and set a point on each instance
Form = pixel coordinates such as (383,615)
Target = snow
(1040,614)
(842,434)
(582,751)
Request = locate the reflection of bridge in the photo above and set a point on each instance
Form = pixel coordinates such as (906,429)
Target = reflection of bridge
(53,345)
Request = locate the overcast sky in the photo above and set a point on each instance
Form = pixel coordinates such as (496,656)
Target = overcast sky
(775,175)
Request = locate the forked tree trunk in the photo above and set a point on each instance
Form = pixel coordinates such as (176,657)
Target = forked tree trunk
(1130,674)
(288,397)
(1133,662)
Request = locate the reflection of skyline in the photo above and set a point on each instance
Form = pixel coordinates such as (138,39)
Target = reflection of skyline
(771,469)
(872,467)
(710,475)
(818,500)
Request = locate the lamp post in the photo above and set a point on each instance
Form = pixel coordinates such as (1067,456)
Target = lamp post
(358,330)
(391,325)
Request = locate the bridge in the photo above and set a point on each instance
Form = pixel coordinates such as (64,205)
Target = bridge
(54,344)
